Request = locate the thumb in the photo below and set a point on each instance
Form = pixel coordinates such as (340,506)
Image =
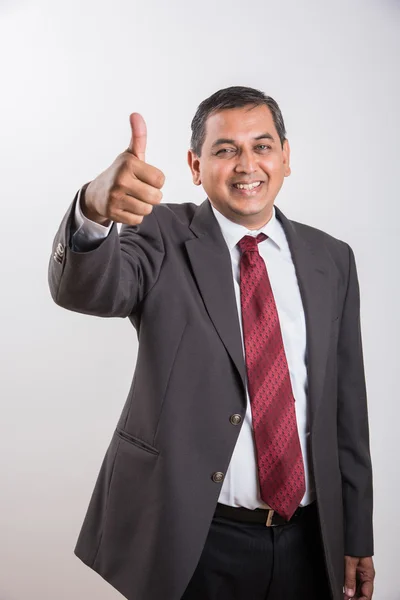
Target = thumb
(137,145)
(350,577)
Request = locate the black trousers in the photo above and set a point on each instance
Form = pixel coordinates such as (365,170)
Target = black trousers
(249,561)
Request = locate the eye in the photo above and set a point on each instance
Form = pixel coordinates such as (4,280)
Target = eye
(225,151)
(264,147)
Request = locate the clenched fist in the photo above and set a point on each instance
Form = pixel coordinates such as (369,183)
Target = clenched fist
(128,189)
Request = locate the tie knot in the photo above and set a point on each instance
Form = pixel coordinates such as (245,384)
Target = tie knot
(249,243)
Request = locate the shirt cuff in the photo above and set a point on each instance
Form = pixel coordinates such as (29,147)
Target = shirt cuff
(86,227)
(87,233)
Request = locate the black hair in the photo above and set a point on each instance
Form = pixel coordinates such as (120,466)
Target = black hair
(232,97)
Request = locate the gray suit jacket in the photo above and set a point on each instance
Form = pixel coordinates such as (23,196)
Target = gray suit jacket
(155,496)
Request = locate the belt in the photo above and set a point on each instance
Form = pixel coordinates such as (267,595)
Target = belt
(266,516)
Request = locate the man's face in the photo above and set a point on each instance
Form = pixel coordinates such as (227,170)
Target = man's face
(242,147)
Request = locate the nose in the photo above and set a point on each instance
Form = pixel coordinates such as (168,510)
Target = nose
(246,162)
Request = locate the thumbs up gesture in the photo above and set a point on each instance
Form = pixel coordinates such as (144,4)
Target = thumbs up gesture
(127,191)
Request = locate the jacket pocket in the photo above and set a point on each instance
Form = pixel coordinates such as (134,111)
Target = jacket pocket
(127,437)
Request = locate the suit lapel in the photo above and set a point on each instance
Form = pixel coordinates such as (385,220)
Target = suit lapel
(313,277)
(211,263)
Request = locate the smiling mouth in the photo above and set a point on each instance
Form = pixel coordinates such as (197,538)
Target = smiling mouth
(247,186)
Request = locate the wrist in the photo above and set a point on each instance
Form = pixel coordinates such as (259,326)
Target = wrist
(89,212)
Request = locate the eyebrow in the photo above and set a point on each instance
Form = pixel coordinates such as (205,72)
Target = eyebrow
(263,136)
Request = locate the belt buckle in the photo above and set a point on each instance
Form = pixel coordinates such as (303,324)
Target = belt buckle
(268,522)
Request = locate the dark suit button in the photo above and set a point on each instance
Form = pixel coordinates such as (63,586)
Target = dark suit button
(218,477)
(235,419)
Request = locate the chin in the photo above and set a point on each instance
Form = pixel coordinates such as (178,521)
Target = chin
(247,208)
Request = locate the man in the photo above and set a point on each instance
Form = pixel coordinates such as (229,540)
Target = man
(240,465)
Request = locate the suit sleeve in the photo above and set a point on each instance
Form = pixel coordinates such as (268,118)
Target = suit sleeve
(353,429)
(113,278)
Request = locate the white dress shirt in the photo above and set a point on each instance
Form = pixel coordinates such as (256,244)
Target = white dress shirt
(240,486)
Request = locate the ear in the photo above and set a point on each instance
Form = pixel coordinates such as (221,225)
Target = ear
(286,158)
(194,164)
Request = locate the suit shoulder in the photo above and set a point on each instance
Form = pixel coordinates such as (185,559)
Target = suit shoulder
(316,237)
(170,211)
(338,252)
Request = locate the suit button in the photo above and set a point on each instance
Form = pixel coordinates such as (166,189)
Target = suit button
(218,477)
(235,419)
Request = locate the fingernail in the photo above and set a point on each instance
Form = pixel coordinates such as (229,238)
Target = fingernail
(349,592)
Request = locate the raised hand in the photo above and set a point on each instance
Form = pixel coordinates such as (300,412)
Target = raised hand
(127,191)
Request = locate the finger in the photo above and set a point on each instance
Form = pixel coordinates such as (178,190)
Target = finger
(366,591)
(126,218)
(141,191)
(143,172)
(134,206)
(350,578)
(137,145)
(129,219)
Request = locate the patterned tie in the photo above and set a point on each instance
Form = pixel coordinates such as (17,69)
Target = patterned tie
(279,457)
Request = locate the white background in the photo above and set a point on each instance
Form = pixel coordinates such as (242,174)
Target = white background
(71,73)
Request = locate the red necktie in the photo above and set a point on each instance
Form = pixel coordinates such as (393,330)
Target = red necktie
(279,457)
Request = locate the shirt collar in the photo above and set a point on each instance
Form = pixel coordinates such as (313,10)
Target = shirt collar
(233,232)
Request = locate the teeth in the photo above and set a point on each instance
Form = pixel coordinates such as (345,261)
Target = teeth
(250,186)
